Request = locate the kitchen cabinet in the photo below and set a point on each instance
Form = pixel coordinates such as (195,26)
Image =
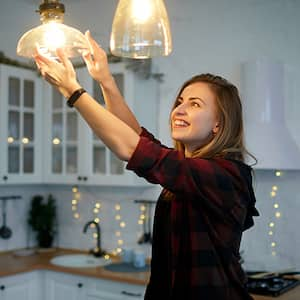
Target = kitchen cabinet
(26,286)
(61,286)
(20,125)
(75,154)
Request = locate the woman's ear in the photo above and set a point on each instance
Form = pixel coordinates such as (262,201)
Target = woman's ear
(216,128)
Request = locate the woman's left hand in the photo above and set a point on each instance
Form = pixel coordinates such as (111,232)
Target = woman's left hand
(60,73)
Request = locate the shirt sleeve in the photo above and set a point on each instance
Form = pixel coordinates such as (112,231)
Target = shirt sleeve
(215,182)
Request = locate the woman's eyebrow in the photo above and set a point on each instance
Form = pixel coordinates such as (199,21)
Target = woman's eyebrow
(197,98)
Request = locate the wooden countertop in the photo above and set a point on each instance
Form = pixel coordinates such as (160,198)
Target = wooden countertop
(12,264)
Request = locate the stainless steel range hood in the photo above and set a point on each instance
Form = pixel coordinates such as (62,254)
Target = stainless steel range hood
(267,136)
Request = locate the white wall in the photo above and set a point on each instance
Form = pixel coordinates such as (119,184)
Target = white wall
(209,36)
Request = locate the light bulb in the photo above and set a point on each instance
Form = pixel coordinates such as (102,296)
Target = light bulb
(52,34)
(141,29)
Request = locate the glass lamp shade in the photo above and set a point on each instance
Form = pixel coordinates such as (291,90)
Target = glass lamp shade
(49,37)
(141,29)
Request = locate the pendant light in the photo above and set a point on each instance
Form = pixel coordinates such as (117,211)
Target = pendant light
(52,34)
(141,29)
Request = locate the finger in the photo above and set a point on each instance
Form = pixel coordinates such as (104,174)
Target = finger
(63,58)
(94,46)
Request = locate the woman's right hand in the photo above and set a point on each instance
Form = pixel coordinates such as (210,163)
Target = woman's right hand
(96,60)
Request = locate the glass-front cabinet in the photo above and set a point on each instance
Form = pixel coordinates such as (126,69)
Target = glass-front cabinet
(76,153)
(20,125)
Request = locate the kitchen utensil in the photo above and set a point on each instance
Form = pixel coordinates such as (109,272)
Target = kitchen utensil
(5,231)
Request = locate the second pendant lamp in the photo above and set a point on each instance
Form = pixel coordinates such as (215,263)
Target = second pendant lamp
(141,29)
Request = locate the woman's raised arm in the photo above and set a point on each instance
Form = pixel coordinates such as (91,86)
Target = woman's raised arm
(97,65)
(114,132)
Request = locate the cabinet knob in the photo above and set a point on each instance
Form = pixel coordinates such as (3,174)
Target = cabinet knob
(80,285)
(2,287)
(4,177)
(130,294)
(85,178)
(79,178)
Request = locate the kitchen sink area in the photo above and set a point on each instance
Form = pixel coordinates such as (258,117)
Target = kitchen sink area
(80,261)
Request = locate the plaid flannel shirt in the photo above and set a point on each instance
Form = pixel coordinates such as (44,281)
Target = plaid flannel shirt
(200,215)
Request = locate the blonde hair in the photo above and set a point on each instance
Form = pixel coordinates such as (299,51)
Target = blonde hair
(229,140)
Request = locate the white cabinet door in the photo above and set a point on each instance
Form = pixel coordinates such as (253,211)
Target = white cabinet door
(25,286)
(99,289)
(64,140)
(61,286)
(20,125)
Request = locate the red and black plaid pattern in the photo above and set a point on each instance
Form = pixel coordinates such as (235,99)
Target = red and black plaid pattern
(205,206)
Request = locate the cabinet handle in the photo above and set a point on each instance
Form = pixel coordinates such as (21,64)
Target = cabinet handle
(4,177)
(80,285)
(131,294)
(2,287)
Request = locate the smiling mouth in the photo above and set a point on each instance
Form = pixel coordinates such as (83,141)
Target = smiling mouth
(180,124)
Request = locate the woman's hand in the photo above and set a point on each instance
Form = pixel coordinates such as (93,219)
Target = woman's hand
(60,74)
(96,60)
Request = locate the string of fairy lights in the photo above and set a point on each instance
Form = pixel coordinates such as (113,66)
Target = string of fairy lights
(276,214)
(120,223)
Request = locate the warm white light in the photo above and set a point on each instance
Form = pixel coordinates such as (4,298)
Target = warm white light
(273,244)
(118,233)
(270,232)
(117,207)
(97,220)
(271,224)
(143,208)
(118,217)
(97,205)
(278,173)
(120,242)
(74,207)
(274,188)
(95,235)
(53,37)
(10,139)
(76,216)
(56,141)
(122,224)
(74,201)
(273,194)
(25,140)
(140,222)
(278,214)
(74,189)
(142,217)
(276,205)
(96,210)
(141,10)
(106,256)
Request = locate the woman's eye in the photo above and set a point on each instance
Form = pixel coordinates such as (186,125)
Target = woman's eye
(195,104)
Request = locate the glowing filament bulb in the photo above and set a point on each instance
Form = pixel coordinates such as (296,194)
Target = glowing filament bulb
(271,224)
(53,37)
(274,188)
(141,10)
(276,205)
(273,244)
(278,214)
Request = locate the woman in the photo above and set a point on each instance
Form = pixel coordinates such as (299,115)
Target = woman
(207,199)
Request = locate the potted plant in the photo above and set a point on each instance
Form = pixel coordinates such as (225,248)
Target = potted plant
(42,219)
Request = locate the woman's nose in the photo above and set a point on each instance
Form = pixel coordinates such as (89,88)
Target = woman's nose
(180,109)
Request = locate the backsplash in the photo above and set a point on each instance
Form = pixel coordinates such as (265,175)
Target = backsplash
(256,245)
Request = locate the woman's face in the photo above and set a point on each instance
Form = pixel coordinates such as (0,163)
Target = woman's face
(194,119)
